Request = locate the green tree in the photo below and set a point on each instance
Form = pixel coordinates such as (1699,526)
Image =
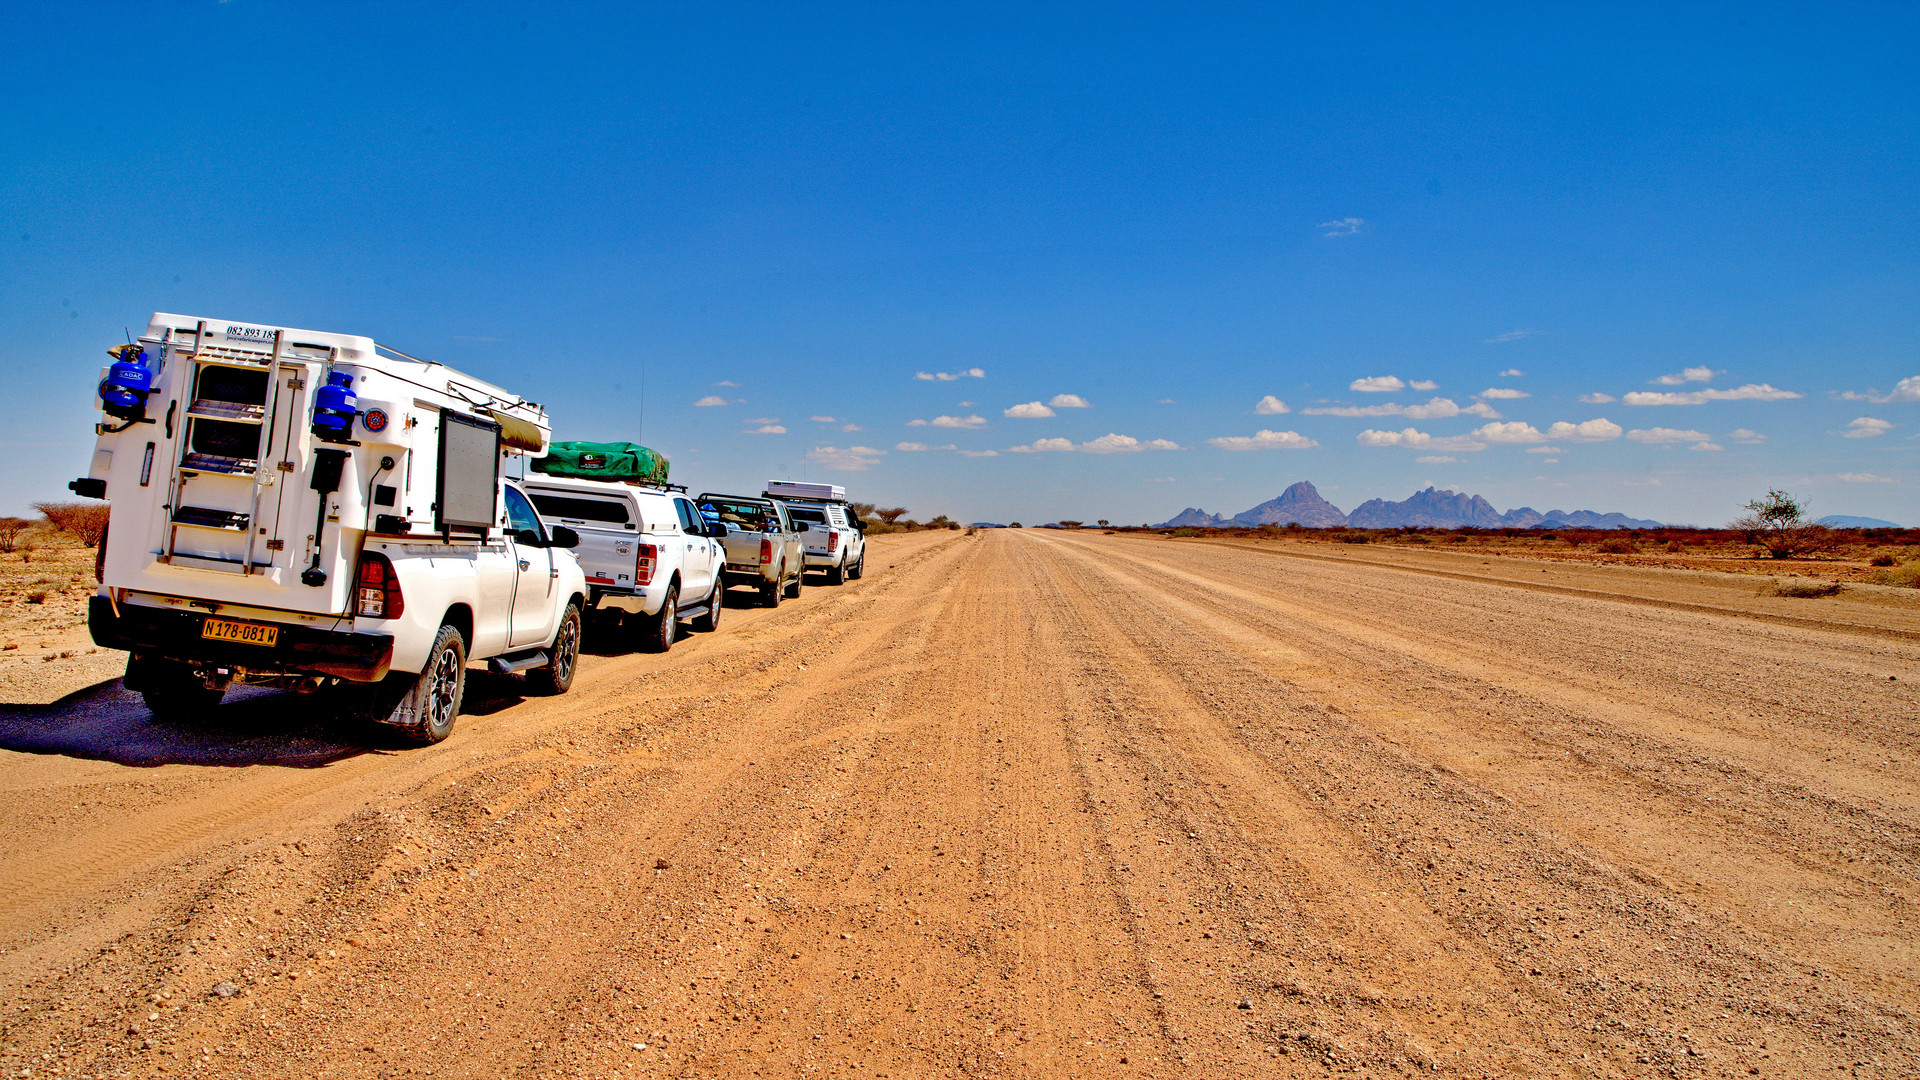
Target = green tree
(1779,524)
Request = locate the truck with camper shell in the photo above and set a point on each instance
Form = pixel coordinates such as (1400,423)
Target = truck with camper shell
(763,547)
(316,512)
(651,560)
(834,536)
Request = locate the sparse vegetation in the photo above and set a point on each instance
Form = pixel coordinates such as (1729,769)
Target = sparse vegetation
(891,516)
(1805,589)
(1621,546)
(85,521)
(1882,560)
(12,531)
(1907,576)
(1778,523)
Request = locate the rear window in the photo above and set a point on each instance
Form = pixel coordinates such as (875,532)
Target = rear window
(812,517)
(743,514)
(574,508)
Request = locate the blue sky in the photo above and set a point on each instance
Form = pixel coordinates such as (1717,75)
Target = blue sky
(1707,214)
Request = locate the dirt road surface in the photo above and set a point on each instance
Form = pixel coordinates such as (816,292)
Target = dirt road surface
(1018,804)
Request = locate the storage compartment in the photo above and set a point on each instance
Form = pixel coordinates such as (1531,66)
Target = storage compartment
(468,489)
(222,446)
(234,393)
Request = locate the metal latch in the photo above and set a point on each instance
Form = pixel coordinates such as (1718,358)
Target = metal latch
(296,383)
(276,545)
(286,466)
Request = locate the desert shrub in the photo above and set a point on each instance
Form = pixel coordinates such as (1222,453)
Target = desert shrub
(1457,538)
(1352,537)
(1621,546)
(1779,524)
(12,530)
(1416,538)
(891,516)
(37,596)
(1806,589)
(1877,560)
(1675,546)
(1186,532)
(1065,524)
(1549,536)
(1906,576)
(86,521)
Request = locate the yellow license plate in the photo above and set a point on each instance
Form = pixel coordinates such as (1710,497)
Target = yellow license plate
(245,633)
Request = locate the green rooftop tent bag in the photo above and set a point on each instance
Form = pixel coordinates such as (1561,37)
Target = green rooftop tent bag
(604,461)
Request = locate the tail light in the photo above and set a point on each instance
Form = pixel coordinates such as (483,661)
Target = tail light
(833,542)
(377,589)
(644,563)
(766,552)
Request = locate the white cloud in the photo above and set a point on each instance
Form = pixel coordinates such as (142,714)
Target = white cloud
(910,447)
(979,453)
(1511,335)
(1599,429)
(1598,399)
(1745,435)
(951,422)
(1032,410)
(1070,401)
(1436,459)
(965,404)
(852,459)
(1692,374)
(1423,384)
(851,427)
(1511,432)
(1377,384)
(1543,450)
(1667,435)
(710,400)
(1044,446)
(824,419)
(1265,440)
(1111,443)
(1502,393)
(1866,427)
(1706,446)
(767,429)
(950,376)
(1749,392)
(1162,444)
(1346,226)
(1513,373)
(1434,408)
(1270,406)
(761,420)
(1417,439)
(726,382)
(1865,478)
(1907,389)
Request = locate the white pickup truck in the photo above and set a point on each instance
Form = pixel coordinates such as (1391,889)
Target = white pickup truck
(763,546)
(835,537)
(312,511)
(648,555)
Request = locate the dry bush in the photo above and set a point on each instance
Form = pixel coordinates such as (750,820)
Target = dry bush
(1877,560)
(1907,576)
(891,516)
(1352,537)
(12,531)
(1675,546)
(1618,547)
(86,521)
(1806,589)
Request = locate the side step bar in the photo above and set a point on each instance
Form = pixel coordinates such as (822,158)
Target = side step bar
(507,665)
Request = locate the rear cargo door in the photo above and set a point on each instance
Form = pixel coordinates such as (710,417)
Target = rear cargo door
(608,526)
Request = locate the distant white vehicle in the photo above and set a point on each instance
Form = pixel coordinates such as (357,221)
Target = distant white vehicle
(763,546)
(311,511)
(834,537)
(648,555)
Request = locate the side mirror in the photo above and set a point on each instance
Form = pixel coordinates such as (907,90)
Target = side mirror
(562,537)
(860,524)
(529,537)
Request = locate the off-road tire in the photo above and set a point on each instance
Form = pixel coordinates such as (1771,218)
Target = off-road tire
(859,569)
(770,594)
(428,703)
(709,620)
(793,589)
(655,633)
(562,657)
(837,574)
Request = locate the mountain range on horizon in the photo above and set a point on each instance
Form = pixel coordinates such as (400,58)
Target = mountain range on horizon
(1302,504)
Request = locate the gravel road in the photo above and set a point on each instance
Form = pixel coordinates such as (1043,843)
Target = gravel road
(1026,803)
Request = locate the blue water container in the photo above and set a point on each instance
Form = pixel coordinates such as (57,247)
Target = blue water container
(334,407)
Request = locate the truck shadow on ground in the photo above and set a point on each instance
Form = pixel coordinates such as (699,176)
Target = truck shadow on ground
(107,722)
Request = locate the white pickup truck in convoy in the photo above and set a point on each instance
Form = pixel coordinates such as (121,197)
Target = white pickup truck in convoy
(648,555)
(763,546)
(312,511)
(834,536)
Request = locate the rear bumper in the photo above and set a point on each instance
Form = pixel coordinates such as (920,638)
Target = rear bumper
(299,650)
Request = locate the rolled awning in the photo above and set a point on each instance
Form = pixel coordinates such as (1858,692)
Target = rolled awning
(518,433)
